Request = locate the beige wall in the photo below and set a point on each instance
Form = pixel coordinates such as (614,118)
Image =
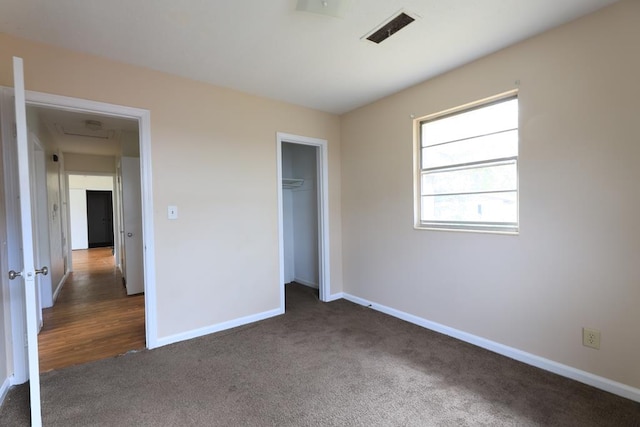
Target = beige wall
(575,262)
(214,156)
(130,144)
(89,163)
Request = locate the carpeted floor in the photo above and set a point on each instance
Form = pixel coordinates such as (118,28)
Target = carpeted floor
(335,364)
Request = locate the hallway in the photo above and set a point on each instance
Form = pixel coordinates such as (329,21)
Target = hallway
(93,318)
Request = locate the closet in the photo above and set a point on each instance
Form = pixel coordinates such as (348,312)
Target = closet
(300,213)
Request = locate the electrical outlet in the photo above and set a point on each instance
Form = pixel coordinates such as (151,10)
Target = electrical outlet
(591,338)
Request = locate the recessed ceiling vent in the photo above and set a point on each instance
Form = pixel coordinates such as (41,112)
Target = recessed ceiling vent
(89,130)
(390,27)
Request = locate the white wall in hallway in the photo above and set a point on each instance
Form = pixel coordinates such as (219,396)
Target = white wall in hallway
(78,186)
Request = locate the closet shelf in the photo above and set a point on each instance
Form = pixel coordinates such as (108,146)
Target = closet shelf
(288,183)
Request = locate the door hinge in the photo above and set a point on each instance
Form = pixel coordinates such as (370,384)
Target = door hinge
(15,130)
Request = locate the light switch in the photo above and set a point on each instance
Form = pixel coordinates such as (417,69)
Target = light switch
(172,212)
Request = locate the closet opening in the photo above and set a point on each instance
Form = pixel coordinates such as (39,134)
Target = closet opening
(303,217)
(300,215)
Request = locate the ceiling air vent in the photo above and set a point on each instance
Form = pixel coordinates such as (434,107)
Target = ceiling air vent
(85,131)
(390,27)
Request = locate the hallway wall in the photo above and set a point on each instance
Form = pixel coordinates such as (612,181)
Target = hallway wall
(58,234)
(54,208)
(78,186)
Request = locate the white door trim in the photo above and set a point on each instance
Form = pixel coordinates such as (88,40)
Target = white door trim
(323,212)
(116,234)
(144,122)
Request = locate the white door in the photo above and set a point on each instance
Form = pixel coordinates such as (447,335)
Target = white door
(132,220)
(28,272)
(78,208)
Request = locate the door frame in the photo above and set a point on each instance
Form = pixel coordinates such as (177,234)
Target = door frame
(144,126)
(39,204)
(91,205)
(322,159)
(67,188)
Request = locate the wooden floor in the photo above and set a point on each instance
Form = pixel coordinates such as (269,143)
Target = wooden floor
(93,318)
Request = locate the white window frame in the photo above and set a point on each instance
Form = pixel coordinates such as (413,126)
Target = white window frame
(472,226)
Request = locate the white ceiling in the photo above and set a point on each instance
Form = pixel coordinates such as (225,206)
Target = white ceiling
(71,135)
(267,48)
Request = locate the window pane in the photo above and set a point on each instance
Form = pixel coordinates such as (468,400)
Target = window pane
(481,121)
(487,178)
(494,146)
(490,207)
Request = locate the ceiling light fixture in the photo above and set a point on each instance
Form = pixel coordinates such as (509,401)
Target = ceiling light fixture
(93,125)
(333,8)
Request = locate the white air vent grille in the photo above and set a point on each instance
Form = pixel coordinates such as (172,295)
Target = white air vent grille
(390,27)
(85,132)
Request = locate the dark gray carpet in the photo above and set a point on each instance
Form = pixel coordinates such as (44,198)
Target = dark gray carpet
(335,364)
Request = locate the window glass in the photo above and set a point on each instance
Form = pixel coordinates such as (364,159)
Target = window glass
(469,169)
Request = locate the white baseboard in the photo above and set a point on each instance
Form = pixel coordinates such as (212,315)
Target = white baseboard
(335,297)
(602,383)
(304,282)
(4,389)
(216,328)
(60,285)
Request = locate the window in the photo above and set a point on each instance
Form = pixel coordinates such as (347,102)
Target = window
(468,166)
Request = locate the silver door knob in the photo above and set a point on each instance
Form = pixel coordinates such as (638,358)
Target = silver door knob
(129,234)
(14,274)
(44,271)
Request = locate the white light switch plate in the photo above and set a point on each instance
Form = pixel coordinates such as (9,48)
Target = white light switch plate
(172,212)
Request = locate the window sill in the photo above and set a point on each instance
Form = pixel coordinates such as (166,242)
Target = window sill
(507,232)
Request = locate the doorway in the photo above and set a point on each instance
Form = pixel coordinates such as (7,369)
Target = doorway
(87,211)
(88,147)
(300,214)
(303,213)
(64,104)
(99,218)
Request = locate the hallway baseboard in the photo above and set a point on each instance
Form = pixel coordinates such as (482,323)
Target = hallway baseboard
(4,389)
(56,293)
